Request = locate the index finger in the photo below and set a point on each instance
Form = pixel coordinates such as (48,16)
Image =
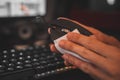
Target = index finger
(98,34)
(93,44)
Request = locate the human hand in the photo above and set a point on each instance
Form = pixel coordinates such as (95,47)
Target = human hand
(100,49)
(96,34)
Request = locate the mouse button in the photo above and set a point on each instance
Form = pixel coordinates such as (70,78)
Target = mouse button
(58,23)
(71,26)
(56,33)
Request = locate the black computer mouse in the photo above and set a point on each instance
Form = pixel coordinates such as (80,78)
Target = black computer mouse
(58,30)
(60,27)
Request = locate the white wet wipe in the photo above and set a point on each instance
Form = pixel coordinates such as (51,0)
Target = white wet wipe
(63,51)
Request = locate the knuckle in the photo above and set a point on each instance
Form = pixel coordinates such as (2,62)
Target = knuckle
(74,61)
(67,45)
(85,67)
(115,72)
(72,47)
(89,41)
(71,60)
(84,51)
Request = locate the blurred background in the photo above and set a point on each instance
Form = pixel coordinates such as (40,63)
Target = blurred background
(24,25)
(20,24)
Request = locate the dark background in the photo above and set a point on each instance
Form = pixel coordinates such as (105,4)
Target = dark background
(95,13)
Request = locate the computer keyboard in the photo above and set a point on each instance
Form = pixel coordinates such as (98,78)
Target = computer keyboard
(35,62)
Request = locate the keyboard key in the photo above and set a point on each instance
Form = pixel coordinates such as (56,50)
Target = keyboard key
(27,61)
(19,63)
(28,57)
(11,65)
(28,65)
(40,58)
(36,56)
(13,60)
(21,53)
(2,68)
(21,58)
(19,67)
(10,69)
(35,60)
(36,64)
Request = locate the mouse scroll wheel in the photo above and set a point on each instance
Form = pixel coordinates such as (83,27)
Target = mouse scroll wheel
(65,30)
(60,29)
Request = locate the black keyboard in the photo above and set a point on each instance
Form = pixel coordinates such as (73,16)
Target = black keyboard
(35,62)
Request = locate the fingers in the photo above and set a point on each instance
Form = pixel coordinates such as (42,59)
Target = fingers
(86,67)
(92,44)
(53,49)
(98,34)
(68,64)
(100,54)
(85,53)
(104,38)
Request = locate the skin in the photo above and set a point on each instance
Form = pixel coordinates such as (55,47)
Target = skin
(103,52)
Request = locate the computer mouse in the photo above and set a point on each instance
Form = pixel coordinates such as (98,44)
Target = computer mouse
(58,30)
